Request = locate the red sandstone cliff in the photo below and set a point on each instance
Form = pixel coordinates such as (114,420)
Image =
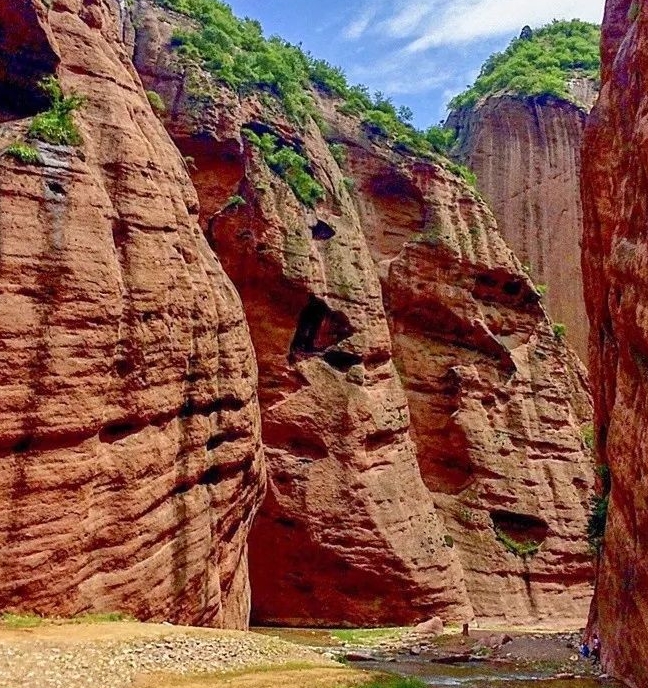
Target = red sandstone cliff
(525,152)
(497,402)
(615,254)
(129,423)
(348,532)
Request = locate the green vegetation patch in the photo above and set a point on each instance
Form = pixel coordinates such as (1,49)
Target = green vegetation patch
(14,620)
(520,549)
(539,63)
(599,504)
(155,99)
(365,636)
(56,125)
(24,153)
(559,330)
(290,165)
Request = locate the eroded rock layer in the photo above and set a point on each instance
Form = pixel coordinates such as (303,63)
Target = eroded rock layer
(498,403)
(526,155)
(129,423)
(615,255)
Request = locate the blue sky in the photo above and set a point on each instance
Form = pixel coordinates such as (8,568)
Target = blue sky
(419,52)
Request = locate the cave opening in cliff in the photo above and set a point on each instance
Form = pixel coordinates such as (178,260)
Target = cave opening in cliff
(519,529)
(322,231)
(318,329)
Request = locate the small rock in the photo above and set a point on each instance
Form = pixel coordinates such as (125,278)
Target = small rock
(415,650)
(433,626)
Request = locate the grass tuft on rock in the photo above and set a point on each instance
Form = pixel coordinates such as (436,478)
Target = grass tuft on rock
(56,125)
(24,153)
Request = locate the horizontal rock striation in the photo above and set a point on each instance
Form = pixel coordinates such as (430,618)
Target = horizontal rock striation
(129,422)
(498,402)
(615,251)
(525,152)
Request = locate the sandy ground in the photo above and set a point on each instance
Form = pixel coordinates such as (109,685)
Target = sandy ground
(312,677)
(125,654)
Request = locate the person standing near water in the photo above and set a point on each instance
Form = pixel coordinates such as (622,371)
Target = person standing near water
(596,648)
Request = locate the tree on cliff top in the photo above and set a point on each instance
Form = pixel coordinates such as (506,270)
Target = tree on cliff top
(539,64)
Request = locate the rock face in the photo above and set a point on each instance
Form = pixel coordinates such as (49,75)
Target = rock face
(402,250)
(526,155)
(497,402)
(615,251)
(129,422)
(348,533)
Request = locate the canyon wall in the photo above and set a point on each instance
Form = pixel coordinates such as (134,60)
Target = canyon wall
(498,402)
(348,533)
(394,295)
(129,422)
(615,259)
(525,152)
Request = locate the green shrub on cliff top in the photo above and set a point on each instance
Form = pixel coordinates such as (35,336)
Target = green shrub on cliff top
(541,64)
(236,53)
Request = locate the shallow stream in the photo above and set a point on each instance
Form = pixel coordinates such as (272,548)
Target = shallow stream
(480,675)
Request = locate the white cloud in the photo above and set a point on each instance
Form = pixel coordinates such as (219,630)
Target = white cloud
(433,23)
(468,20)
(361,23)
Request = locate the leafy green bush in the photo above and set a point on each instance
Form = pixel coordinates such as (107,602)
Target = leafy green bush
(597,521)
(56,125)
(539,65)
(156,102)
(395,682)
(339,152)
(542,289)
(441,139)
(587,433)
(289,165)
(559,330)
(24,153)
(464,172)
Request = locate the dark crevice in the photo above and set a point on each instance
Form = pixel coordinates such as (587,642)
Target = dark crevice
(520,527)
(322,231)
(318,329)
(216,441)
(341,360)
(118,431)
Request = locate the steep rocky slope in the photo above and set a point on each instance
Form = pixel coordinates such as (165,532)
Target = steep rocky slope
(615,192)
(129,422)
(525,151)
(348,531)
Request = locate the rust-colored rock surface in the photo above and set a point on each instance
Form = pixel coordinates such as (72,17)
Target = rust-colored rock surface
(615,259)
(498,403)
(129,422)
(399,263)
(348,533)
(526,155)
